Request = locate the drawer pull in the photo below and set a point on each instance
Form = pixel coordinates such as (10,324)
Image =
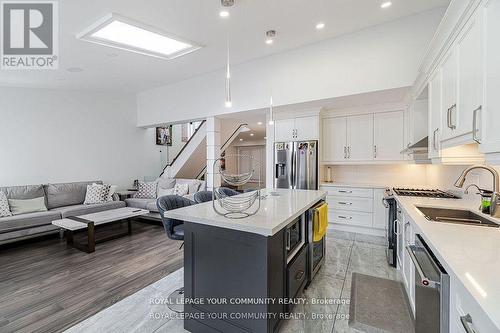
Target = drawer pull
(467,323)
(345,217)
(344,191)
(345,203)
(299,275)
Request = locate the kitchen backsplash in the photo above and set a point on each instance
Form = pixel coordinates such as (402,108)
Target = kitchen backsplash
(438,176)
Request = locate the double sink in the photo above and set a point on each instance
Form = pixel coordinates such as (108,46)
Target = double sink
(456,216)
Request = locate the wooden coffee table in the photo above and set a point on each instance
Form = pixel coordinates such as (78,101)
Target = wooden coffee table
(89,221)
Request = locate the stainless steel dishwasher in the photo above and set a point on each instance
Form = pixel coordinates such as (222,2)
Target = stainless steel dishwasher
(432,290)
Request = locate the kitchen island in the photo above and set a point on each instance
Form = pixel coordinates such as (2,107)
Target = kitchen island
(241,275)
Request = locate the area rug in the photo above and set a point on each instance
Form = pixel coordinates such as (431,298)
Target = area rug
(379,305)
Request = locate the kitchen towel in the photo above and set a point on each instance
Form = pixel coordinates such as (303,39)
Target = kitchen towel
(320,222)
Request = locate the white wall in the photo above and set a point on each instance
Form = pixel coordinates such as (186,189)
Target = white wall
(382,57)
(52,136)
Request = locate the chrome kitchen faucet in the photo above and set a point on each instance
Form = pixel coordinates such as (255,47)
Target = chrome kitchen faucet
(495,200)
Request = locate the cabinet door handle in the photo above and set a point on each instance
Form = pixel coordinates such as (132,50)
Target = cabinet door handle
(299,275)
(288,240)
(434,140)
(427,282)
(475,129)
(345,203)
(375,151)
(345,152)
(453,107)
(396,228)
(345,217)
(467,324)
(344,191)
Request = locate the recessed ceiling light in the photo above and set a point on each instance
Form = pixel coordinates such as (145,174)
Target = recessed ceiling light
(259,123)
(320,26)
(269,41)
(386,4)
(224,13)
(241,139)
(251,134)
(126,34)
(74,69)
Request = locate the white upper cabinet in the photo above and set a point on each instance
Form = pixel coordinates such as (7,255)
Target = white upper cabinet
(388,136)
(449,94)
(307,128)
(489,117)
(360,137)
(435,115)
(470,76)
(334,139)
(366,138)
(284,130)
(296,129)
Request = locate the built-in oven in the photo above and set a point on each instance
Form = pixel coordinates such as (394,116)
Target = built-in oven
(295,237)
(432,290)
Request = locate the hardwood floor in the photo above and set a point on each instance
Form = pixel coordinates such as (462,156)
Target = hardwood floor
(46,286)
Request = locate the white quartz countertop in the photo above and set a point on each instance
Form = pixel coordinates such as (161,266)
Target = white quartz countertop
(469,253)
(275,212)
(371,185)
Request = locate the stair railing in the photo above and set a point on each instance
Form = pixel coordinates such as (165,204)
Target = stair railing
(182,149)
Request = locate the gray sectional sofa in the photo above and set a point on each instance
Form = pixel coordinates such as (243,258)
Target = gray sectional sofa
(194,186)
(62,200)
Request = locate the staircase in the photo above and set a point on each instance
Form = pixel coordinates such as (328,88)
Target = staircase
(186,163)
(191,161)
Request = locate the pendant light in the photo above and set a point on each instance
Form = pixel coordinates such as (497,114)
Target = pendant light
(271,116)
(229,102)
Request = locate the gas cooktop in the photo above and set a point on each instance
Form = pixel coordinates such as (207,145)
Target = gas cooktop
(428,193)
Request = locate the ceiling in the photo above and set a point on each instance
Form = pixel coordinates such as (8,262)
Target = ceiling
(108,69)
(256,121)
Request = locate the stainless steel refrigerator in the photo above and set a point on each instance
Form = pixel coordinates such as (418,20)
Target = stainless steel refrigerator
(296,165)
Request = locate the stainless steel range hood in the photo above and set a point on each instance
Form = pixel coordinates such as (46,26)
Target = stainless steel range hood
(419,151)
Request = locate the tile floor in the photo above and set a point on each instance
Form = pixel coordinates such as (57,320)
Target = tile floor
(346,253)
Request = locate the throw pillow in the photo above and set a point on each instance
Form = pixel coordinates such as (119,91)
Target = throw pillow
(4,205)
(112,190)
(25,206)
(164,184)
(181,189)
(165,191)
(96,194)
(146,190)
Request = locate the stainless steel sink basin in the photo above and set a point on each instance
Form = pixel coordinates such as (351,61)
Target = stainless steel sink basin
(456,216)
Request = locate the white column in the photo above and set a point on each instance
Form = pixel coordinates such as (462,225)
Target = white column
(213,152)
(269,153)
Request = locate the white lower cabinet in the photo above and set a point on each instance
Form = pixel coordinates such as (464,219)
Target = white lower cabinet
(408,269)
(351,203)
(465,311)
(356,209)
